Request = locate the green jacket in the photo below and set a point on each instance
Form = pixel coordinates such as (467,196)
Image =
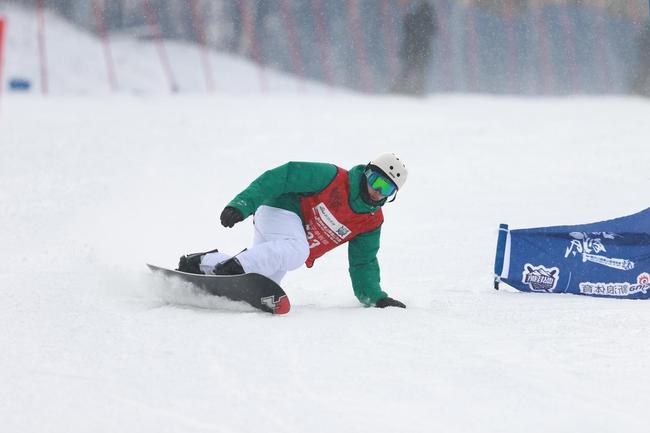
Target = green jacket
(282,187)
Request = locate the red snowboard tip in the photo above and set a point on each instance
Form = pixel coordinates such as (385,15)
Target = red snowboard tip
(282,306)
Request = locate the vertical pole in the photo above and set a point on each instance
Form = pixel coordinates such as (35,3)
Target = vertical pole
(108,56)
(294,45)
(199,32)
(42,53)
(249,30)
(500,255)
(359,46)
(326,65)
(150,16)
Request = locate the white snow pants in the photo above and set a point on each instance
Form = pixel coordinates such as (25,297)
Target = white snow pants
(280,245)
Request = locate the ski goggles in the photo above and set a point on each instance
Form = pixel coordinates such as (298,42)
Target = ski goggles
(380,183)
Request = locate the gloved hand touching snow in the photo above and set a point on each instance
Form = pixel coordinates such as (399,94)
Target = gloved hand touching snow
(231,216)
(389,302)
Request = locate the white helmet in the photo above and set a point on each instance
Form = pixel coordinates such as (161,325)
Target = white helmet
(393,167)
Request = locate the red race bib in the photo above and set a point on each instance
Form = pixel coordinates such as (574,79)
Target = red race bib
(329,219)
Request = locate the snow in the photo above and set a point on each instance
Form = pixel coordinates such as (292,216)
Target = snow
(92,187)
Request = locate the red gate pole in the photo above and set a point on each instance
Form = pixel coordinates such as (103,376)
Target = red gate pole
(359,46)
(42,52)
(325,61)
(108,55)
(150,16)
(249,29)
(199,32)
(294,44)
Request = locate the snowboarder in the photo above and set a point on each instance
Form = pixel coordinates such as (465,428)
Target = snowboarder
(303,210)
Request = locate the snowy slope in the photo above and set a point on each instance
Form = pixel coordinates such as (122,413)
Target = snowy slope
(91,188)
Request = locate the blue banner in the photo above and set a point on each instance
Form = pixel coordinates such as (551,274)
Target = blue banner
(606,259)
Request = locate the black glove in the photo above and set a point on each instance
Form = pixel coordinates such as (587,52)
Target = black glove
(231,216)
(389,302)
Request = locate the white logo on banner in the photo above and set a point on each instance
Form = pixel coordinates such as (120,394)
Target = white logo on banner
(540,278)
(617,289)
(590,245)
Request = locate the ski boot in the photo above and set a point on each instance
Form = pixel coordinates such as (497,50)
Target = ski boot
(229,267)
(190,263)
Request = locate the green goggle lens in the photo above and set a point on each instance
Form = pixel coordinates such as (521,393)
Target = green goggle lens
(380,183)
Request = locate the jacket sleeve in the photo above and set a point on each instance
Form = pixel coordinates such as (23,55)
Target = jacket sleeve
(292,177)
(364,267)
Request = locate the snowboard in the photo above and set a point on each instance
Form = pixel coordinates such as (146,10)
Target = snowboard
(254,289)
